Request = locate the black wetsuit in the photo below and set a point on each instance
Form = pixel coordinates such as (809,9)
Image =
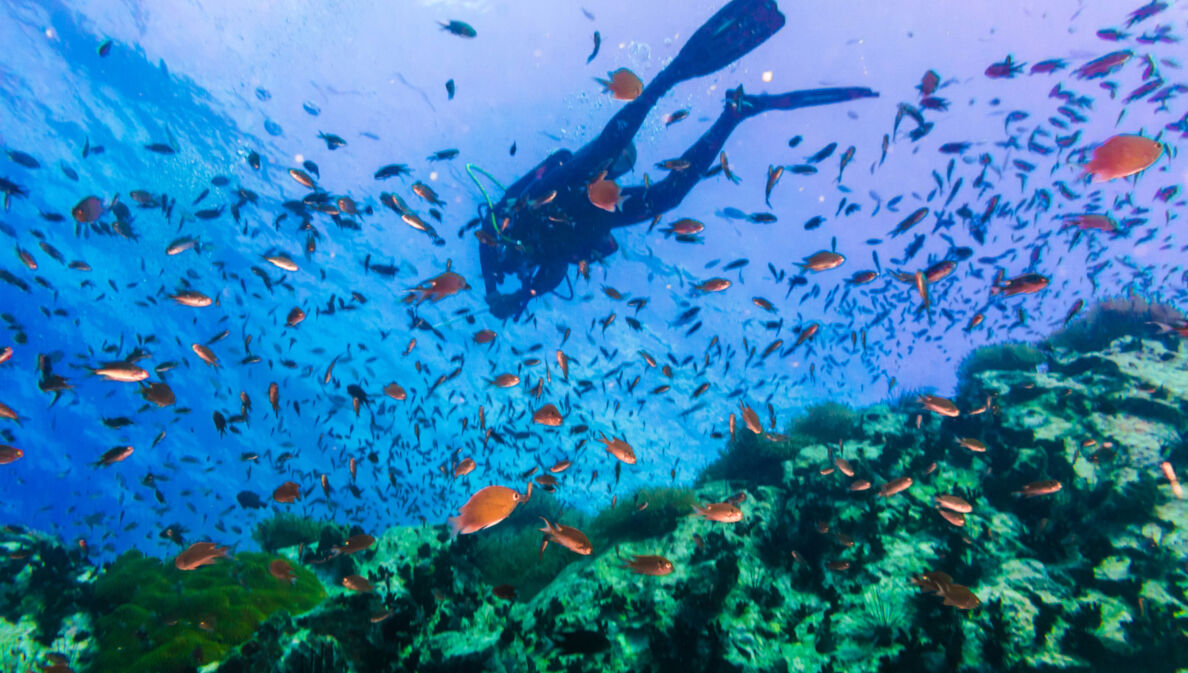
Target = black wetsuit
(545,221)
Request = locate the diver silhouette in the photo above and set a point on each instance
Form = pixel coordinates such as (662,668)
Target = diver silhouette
(546,220)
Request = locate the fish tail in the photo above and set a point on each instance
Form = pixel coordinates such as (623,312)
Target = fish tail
(455,526)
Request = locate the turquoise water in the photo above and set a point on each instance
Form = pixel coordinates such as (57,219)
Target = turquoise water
(929,325)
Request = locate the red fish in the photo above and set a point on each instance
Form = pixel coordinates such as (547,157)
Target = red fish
(895,486)
(1122,156)
(1036,488)
(199,554)
(623,84)
(485,508)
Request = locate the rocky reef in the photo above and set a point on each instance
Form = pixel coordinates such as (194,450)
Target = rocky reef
(1071,547)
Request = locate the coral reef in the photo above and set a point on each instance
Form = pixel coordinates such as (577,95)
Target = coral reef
(817,576)
(154,618)
(44,590)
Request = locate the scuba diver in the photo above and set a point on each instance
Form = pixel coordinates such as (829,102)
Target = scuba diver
(548,219)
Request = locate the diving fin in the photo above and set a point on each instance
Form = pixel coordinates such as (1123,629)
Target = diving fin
(730,34)
(749,105)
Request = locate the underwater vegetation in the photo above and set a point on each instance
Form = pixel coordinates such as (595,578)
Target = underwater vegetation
(289,530)
(1110,319)
(1008,356)
(154,618)
(752,456)
(1049,512)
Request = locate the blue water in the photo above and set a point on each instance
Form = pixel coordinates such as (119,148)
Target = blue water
(220,80)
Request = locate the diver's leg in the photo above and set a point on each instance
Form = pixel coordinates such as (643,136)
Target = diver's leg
(642,204)
(728,35)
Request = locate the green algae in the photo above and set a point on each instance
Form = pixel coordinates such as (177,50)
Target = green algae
(289,530)
(154,618)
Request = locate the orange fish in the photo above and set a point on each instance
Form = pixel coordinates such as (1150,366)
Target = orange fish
(619,448)
(940,405)
(394,391)
(822,261)
(464,467)
(9,454)
(547,415)
(860,485)
(282,262)
(302,178)
(357,584)
(354,544)
(282,571)
(1168,472)
(206,355)
(159,394)
(604,194)
(296,315)
(750,418)
(1122,156)
(123,372)
(87,210)
(955,518)
(200,554)
(685,227)
(1028,283)
(566,536)
(955,595)
(952,502)
(723,512)
(484,509)
(1035,488)
(563,363)
(975,445)
(114,455)
(484,336)
(192,299)
(656,566)
(287,492)
(895,486)
(1089,222)
(5,354)
(623,84)
(560,466)
(838,566)
(438,287)
(844,466)
(505,381)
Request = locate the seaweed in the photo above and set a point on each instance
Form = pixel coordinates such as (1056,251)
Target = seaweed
(648,513)
(826,423)
(1110,319)
(290,530)
(154,618)
(757,458)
